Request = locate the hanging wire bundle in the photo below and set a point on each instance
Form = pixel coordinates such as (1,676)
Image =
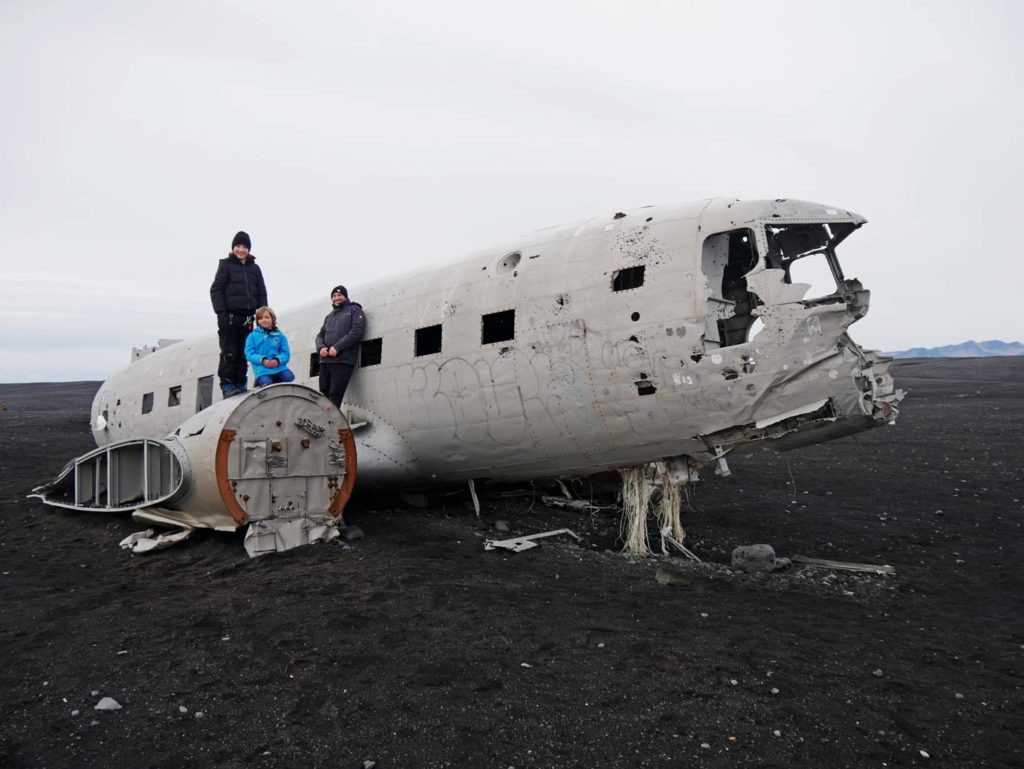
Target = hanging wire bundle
(637,488)
(671,505)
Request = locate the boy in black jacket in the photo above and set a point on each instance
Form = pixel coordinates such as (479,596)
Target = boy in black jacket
(338,344)
(237,290)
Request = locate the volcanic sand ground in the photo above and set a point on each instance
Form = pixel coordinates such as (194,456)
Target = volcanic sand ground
(416,648)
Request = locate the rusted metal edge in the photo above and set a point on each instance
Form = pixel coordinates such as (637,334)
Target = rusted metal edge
(227,494)
(342,497)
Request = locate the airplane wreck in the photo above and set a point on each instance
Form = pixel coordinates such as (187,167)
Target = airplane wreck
(652,342)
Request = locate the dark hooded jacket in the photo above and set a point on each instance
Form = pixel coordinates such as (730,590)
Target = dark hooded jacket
(238,288)
(343,329)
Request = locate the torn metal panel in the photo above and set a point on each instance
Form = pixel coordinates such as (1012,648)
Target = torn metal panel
(147,541)
(798,411)
(270,536)
(519,544)
(164,516)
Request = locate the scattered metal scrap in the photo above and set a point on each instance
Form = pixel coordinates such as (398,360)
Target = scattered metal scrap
(519,544)
(824,563)
(572,504)
(666,534)
(144,541)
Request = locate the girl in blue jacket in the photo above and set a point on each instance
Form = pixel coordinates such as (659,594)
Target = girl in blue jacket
(266,349)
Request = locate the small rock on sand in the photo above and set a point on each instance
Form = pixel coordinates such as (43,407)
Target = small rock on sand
(671,575)
(754,559)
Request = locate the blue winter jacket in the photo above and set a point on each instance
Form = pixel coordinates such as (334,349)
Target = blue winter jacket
(262,344)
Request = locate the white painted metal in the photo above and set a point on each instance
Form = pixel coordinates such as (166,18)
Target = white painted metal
(119,491)
(566,396)
(527,542)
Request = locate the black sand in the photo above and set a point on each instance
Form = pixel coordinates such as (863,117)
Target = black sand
(418,649)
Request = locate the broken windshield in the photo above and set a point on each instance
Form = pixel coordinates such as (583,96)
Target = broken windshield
(807,254)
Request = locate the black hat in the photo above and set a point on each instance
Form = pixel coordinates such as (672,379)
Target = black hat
(339,290)
(241,239)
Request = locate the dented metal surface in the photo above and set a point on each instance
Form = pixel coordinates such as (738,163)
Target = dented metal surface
(674,334)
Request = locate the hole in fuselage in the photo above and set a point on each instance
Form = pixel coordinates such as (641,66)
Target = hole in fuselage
(644,387)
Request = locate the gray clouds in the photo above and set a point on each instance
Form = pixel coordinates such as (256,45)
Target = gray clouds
(354,142)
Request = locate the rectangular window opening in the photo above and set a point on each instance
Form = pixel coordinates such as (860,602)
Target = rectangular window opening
(630,277)
(428,340)
(726,258)
(645,388)
(498,327)
(314,363)
(174,396)
(147,403)
(370,352)
(204,393)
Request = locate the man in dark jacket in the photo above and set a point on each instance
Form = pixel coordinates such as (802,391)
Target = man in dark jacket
(237,290)
(338,344)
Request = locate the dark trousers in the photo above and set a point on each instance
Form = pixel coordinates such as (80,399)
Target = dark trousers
(233,366)
(284,375)
(334,381)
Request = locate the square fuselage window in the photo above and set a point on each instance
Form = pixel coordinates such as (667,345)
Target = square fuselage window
(147,403)
(204,393)
(428,340)
(498,327)
(174,396)
(630,277)
(370,352)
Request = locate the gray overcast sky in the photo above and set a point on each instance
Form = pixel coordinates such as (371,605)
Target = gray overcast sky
(355,141)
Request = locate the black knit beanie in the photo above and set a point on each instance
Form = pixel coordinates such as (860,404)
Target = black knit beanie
(241,239)
(339,290)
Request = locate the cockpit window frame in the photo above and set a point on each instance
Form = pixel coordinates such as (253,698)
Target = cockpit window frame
(834,232)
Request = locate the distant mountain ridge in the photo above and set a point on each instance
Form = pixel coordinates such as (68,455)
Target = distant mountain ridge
(970,349)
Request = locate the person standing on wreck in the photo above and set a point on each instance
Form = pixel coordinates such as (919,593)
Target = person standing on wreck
(338,344)
(237,290)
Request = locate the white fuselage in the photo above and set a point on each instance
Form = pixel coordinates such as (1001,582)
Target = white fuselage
(592,377)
